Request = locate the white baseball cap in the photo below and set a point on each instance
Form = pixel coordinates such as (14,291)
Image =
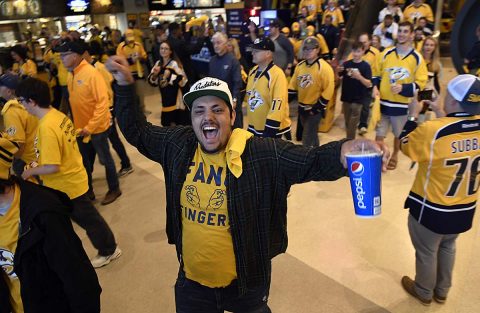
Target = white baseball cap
(208,86)
(466,90)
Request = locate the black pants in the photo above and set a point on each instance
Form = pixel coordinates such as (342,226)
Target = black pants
(117,145)
(86,216)
(192,297)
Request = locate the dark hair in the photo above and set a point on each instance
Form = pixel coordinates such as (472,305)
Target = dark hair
(423,18)
(406,24)
(34,89)
(4,183)
(173,27)
(95,49)
(173,56)
(419,28)
(21,51)
(357,45)
(389,16)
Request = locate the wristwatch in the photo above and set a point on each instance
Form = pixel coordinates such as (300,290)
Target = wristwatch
(412,118)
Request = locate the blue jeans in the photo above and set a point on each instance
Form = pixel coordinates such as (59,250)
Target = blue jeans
(99,145)
(191,297)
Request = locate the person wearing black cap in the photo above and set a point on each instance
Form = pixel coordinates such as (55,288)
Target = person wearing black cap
(41,257)
(20,125)
(283,54)
(226,192)
(443,197)
(89,102)
(314,83)
(267,93)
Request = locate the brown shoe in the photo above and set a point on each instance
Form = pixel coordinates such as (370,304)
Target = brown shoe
(111,196)
(409,285)
(439,299)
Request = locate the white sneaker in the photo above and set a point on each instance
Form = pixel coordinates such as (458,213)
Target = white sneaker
(362,131)
(101,260)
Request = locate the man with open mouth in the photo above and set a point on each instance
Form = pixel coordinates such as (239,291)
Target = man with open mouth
(226,193)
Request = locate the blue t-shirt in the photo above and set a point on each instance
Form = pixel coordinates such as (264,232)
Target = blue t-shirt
(352,89)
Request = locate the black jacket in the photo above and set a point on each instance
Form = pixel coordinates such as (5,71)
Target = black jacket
(331,35)
(257,200)
(55,273)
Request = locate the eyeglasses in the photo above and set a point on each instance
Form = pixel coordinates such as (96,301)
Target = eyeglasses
(22,100)
(166,49)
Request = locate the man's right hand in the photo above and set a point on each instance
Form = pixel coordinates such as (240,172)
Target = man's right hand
(118,66)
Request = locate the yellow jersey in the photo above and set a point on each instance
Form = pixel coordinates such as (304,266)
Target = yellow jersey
(445,191)
(337,17)
(57,145)
(267,102)
(22,127)
(207,244)
(313,83)
(9,228)
(89,101)
(313,6)
(134,53)
(413,13)
(410,71)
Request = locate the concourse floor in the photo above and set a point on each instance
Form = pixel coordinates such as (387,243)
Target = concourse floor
(335,262)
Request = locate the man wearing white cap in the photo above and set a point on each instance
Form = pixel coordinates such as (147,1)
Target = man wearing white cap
(226,193)
(443,198)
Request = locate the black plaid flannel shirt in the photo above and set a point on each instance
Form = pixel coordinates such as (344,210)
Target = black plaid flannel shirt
(257,200)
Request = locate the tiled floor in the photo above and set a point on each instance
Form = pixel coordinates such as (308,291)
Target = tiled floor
(335,262)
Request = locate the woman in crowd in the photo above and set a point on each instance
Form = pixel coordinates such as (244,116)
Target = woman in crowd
(377,42)
(431,56)
(169,76)
(23,66)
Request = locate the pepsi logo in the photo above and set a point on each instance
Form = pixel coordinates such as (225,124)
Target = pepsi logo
(357,168)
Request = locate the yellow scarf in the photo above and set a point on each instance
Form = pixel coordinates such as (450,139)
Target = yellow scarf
(235,147)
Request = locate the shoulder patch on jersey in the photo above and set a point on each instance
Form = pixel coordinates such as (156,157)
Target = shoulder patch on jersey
(11,130)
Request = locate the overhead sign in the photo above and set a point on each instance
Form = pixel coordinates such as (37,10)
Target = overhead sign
(158,5)
(78,6)
(234,22)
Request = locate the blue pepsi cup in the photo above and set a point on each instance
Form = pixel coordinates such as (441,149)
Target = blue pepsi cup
(365,171)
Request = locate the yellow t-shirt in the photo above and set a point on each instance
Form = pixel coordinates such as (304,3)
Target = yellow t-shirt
(207,242)
(22,127)
(62,72)
(28,68)
(8,244)
(57,145)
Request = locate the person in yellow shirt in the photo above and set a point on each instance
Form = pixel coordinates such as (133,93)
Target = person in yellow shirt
(134,52)
(23,66)
(266,94)
(91,115)
(39,249)
(334,11)
(314,8)
(416,10)
(20,125)
(60,167)
(55,65)
(314,83)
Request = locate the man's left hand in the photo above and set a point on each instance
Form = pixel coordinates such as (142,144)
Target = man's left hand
(83,133)
(367,145)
